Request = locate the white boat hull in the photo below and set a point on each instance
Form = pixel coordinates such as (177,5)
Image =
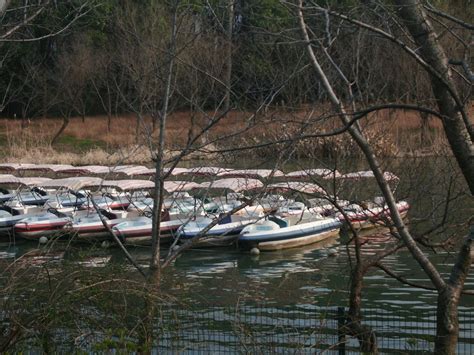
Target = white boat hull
(219,235)
(297,242)
(370,219)
(94,231)
(141,235)
(289,237)
(35,234)
(36,230)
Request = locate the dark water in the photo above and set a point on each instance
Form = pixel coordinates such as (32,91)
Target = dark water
(292,287)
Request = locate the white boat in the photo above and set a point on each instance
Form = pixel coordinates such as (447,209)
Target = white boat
(53,223)
(292,209)
(324,207)
(371,214)
(138,231)
(14,210)
(64,195)
(275,233)
(45,224)
(222,234)
(176,206)
(8,220)
(88,226)
(225,232)
(272,202)
(6,195)
(108,203)
(28,198)
(67,203)
(141,207)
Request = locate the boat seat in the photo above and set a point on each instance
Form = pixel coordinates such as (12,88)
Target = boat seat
(281,222)
(225,219)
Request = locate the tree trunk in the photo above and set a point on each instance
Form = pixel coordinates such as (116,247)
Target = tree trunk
(158,192)
(109,121)
(4,6)
(109,110)
(137,127)
(365,334)
(146,338)
(447,322)
(24,121)
(372,160)
(228,69)
(456,123)
(61,130)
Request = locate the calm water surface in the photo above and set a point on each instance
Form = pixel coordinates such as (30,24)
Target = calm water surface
(309,278)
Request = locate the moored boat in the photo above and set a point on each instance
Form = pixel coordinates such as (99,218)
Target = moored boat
(138,231)
(275,233)
(226,229)
(41,225)
(223,233)
(6,195)
(88,226)
(371,214)
(8,220)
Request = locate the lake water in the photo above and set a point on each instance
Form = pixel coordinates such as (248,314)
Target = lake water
(277,299)
(286,290)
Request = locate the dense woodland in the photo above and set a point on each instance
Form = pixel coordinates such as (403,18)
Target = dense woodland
(77,58)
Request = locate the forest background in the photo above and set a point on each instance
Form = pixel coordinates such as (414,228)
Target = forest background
(89,77)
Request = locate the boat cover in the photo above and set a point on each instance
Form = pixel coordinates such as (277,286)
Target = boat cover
(324,173)
(234,184)
(251,173)
(304,187)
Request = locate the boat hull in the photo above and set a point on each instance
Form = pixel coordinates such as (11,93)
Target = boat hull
(297,242)
(34,233)
(220,235)
(370,222)
(93,232)
(290,237)
(216,241)
(142,235)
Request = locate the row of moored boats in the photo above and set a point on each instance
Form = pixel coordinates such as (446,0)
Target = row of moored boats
(208,213)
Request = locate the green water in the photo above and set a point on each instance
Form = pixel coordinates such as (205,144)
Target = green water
(270,295)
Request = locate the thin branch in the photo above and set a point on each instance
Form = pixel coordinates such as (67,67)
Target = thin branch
(24,22)
(114,236)
(402,279)
(428,67)
(70,23)
(413,284)
(447,16)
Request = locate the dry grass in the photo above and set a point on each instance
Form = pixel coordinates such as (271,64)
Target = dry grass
(393,133)
(47,155)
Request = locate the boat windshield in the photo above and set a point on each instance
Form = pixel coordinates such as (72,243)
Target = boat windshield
(4,214)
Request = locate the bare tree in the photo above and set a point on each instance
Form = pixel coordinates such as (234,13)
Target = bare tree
(229,47)
(71,77)
(159,172)
(449,291)
(457,125)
